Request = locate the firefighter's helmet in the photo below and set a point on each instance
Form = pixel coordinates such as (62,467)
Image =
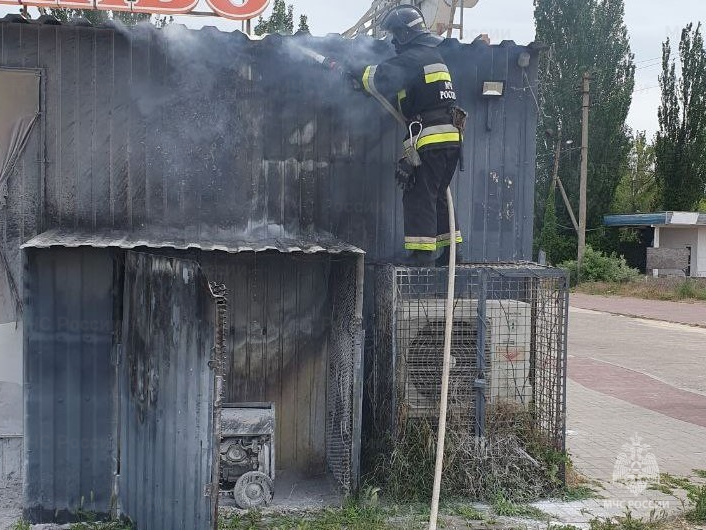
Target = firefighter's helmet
(406,24)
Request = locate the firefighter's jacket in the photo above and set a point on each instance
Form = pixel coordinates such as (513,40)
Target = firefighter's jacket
(418,84)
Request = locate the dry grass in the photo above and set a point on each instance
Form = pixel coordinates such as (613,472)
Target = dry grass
(670,289)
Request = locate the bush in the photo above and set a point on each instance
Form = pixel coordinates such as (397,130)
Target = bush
(600,267)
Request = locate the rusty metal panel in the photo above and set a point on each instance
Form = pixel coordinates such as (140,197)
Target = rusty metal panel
(167,394)
(69,384)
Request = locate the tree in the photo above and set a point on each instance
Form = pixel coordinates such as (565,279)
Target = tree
(303,23)
(681,141)
(281,20)
(638,190)
(97,17)
(589,35)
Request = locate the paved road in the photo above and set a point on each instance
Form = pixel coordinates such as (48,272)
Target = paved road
(633,377)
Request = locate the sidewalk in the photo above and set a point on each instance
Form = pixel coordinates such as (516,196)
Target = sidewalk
(636,401)
(692,314)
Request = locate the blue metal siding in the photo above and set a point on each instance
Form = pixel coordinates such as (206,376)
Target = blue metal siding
(69,383)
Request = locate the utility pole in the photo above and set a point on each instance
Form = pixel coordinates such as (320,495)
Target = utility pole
(557,181)
(586,91)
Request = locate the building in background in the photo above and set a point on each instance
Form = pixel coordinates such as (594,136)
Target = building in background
(678,245)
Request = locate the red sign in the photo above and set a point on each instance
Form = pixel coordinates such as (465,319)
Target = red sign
(233,9)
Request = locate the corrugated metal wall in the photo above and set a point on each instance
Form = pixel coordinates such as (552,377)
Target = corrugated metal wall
(71,422)
(166,394)
(187,129)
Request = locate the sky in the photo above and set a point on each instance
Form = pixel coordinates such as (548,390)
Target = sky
(649,23)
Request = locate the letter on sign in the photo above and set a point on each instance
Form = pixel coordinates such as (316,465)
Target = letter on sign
(233,9)
(244,11)
(171,7)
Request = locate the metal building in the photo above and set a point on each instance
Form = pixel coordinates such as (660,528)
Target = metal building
(206,148)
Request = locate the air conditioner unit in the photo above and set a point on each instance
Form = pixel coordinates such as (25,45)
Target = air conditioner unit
(420,340)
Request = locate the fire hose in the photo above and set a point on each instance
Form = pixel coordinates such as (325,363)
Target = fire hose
(448,330)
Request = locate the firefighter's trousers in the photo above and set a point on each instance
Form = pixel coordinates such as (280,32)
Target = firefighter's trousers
(426,215)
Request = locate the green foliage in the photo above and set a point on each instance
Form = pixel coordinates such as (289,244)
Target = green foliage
(638,190)
(697,496)
(303,23)
(681,141)
(585,36)
(506,508)
(626,522)
(700,473)
(600,267)
(549,240)
(281,20)
(21,525)
(354,515)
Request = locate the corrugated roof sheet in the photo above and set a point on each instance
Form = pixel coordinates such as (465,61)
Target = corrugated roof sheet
(217,241)
(656,219)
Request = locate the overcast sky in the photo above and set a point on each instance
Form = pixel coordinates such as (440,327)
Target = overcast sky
(649,23)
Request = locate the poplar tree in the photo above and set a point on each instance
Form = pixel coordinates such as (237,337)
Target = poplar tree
(586,36)
(681,141)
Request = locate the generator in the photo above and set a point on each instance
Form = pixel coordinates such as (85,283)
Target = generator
(247,453)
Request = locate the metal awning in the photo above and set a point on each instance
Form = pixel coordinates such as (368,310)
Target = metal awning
(204,239)
(656,219)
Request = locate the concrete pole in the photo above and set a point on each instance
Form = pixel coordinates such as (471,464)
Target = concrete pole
(585,89)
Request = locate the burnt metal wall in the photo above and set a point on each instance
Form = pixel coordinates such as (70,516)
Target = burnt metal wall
(167,395)
(70,383)
(279,328)
(180,130)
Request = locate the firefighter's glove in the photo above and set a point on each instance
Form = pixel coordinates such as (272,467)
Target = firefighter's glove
(404,175)
(353,81)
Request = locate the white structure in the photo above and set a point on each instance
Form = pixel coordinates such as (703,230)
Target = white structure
(440,15)
(678,231)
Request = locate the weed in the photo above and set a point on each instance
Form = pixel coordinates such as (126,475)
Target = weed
(671,481)
(507,508)
(661,487)
(352,516)
(514,460)
(697,496)
(469,513)
(626,522)
(21,525)
(551,526)
(700,473)
(674,289)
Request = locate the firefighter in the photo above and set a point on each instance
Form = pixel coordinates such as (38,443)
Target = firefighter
(418,84)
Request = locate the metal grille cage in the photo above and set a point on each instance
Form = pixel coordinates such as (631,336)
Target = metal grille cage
(508,353)
(344,372)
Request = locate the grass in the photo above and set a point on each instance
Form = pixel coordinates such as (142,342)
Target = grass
(700,473)
(670,289)
(696,494)
(627,522)
(21,525)
(507,508)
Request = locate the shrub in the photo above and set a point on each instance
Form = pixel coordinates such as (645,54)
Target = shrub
(600,267)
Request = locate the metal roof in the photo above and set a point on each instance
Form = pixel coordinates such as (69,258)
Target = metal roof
(206,240)
(656,219)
